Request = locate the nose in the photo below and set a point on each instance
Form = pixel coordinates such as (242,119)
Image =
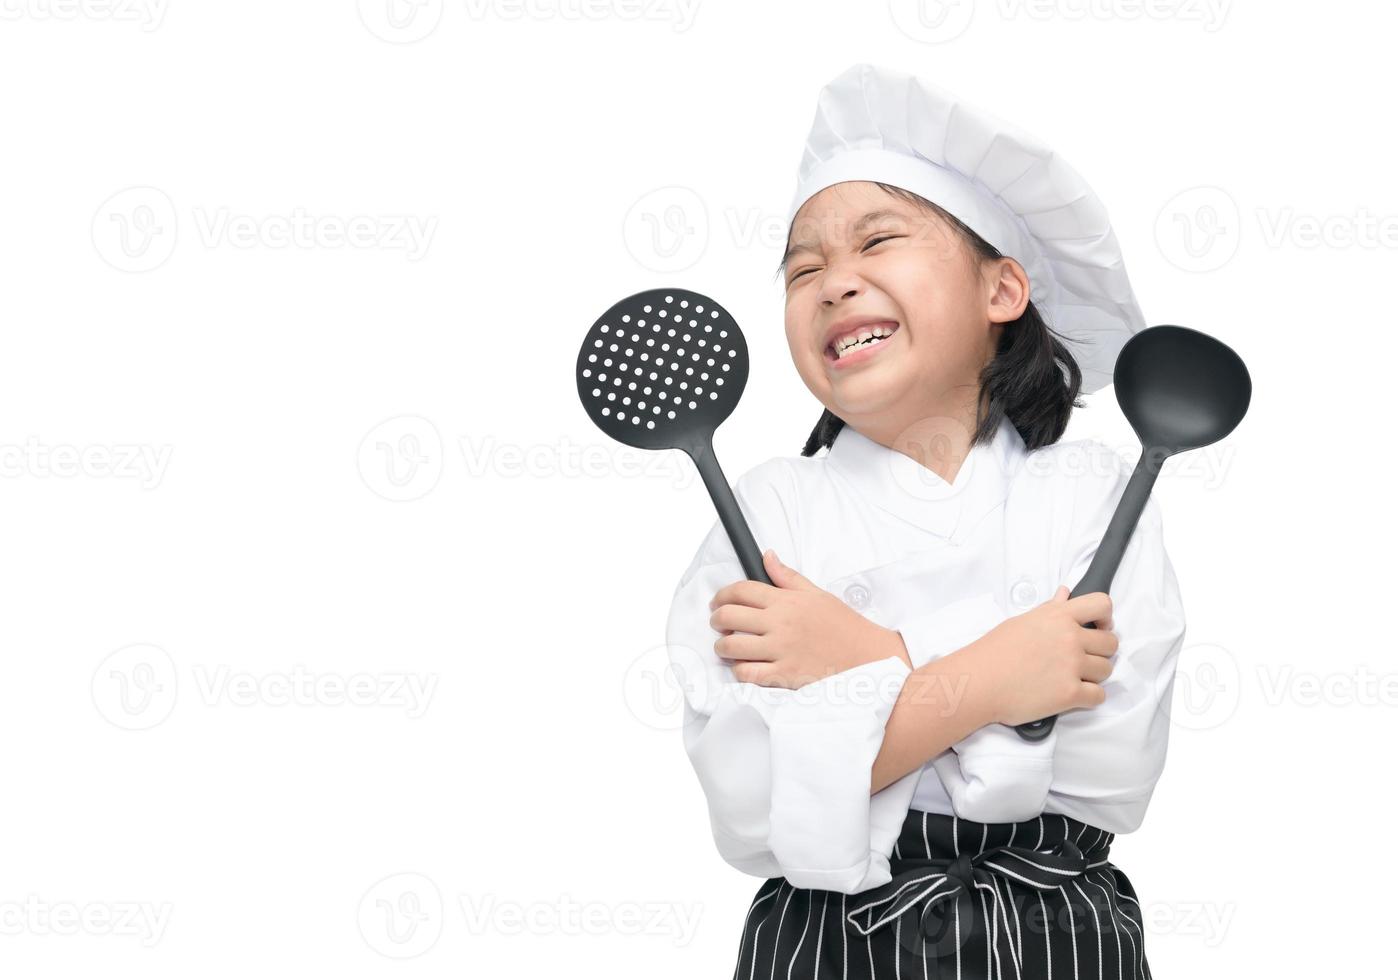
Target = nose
(847,294)
(838,284)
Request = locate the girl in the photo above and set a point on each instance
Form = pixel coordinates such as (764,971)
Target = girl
(951,287)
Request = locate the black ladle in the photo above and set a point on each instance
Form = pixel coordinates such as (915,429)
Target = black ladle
(1180,389)
(660,370)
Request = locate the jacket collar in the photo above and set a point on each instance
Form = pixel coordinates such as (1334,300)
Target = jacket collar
(904,487)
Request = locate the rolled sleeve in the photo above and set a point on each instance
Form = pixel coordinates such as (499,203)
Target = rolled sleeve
(786,774)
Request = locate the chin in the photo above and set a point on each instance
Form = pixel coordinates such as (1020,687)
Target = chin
(869,394)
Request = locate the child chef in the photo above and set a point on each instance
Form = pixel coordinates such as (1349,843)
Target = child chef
(952,286)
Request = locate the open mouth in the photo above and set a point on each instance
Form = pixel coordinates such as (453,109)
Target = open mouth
(860,340)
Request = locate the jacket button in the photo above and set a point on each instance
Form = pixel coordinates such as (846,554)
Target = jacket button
(1023,593)
(857,596)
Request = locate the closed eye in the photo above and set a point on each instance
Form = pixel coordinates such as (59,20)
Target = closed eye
(867,245)
(874,241)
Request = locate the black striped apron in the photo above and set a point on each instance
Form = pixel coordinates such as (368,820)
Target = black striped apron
(968,900)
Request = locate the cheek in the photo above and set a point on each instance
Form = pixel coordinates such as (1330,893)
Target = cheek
(798,326)
(941,306)
(807,360)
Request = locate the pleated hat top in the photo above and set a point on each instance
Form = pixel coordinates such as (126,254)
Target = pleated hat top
(877,124)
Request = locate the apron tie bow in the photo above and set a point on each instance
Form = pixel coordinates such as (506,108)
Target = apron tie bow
(947,885)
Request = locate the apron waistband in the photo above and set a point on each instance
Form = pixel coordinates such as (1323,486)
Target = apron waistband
(945,878)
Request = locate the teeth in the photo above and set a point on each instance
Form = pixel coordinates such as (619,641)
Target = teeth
(865,336)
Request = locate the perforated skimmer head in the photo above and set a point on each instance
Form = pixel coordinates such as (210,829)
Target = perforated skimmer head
(660,370)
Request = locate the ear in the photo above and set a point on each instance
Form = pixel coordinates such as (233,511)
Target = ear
(1008,286)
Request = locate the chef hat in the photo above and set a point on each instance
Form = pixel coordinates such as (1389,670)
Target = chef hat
(877,124)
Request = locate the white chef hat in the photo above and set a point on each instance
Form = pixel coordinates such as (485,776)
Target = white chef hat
(877,124)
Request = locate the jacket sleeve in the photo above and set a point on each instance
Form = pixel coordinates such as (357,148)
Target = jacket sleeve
(991,775)
(1099,764)
(1107,759)
(786,773)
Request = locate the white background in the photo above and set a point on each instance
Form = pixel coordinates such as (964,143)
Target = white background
(240,451)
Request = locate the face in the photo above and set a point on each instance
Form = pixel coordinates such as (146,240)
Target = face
(863,261)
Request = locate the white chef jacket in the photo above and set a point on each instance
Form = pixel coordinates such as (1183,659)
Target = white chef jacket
(787,773)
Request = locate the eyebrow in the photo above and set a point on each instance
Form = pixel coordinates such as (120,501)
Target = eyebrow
(859,226)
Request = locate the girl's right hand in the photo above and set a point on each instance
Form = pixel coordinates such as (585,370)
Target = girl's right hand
(1046,661)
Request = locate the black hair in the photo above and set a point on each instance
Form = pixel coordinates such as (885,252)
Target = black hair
(1033,378)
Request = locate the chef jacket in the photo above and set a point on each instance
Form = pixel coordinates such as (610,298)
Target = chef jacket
(786,773)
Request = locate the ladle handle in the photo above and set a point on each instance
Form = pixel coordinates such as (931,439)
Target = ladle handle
(739,534)
(1105,562)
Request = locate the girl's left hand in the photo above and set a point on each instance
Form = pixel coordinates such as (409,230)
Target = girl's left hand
(799,632)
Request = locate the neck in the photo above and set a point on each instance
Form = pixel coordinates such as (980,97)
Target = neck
(938,439)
